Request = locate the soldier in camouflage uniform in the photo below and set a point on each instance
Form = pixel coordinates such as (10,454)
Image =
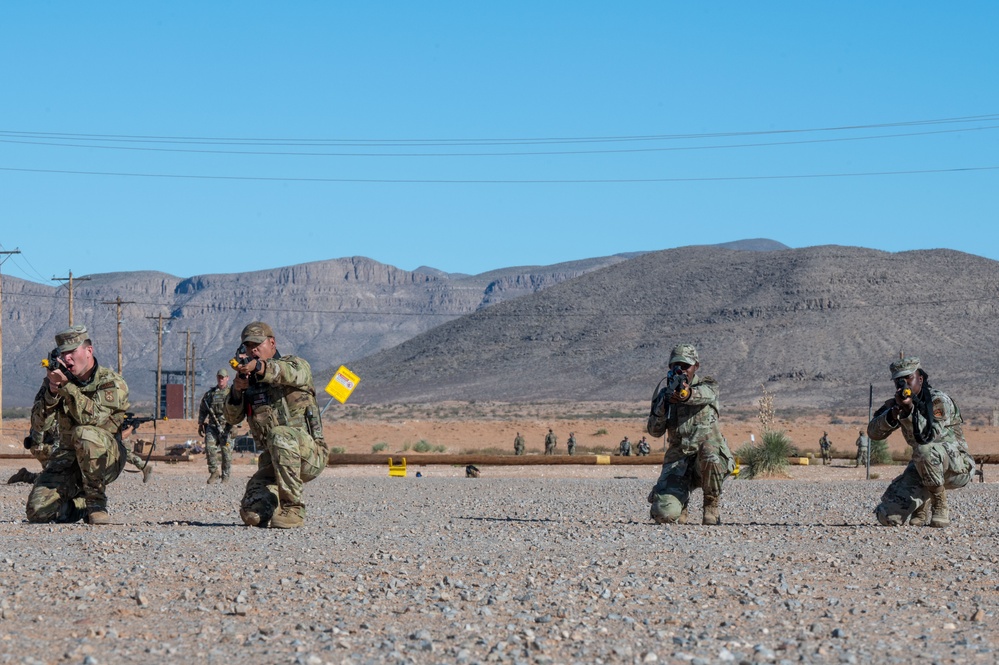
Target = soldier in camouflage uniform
(624,448)
(550,442)
(825,447)
(212,426)
(88,401)
(931,423)
(518,444)
(275,395)
(41,445)
(863,449)
(570,444)
(697,454)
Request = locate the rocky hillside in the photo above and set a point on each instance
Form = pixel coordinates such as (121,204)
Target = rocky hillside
(815,325)
(330,312)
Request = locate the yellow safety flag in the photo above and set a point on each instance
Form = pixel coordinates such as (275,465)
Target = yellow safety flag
(342,384)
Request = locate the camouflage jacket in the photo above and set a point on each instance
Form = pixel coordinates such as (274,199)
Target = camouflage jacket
(212,409)
(282,396)
(688,425)
(100,402)
(947,422)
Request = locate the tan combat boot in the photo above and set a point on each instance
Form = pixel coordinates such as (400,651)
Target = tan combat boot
(921,516)
(288,517)
(941,516)
(711,505)
(213,478)
(98,516)
(147,472)
(683,516)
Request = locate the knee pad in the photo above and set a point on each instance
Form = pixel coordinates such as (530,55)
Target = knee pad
(665,509)
(888,518)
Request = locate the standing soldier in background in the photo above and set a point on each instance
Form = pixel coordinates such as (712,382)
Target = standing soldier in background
(213,426)
(697,455)
(825,447)
(570,444)
(931,423)
(863,446)
(89,402)
(518,444)
(275,395)
(550,442)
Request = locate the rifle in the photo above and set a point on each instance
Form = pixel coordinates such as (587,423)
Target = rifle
(674,383)
(902,387)
(134,421)
(242,357)
(53,363)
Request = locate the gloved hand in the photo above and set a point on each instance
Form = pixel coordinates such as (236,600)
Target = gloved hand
(28,443)
(201,429)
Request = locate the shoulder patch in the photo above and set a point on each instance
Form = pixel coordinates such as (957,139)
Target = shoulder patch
(107,385)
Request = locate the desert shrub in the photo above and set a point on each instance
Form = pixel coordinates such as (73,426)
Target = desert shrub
(600,432)
(378,447)
(338,450)
(879,452)
(422,446)
(768,458)
(440,449)
(835,420)
(405,446)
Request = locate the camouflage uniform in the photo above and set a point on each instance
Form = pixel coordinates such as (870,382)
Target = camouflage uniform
(89,415)
(41,446)
(518,444)
(624,448)
(939,462)
(550,442)
(643,448)
(211,414)
(570,444)
(278,406)
(863,448)
(825,447)
(696,454)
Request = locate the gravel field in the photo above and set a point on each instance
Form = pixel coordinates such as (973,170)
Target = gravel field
(523,565)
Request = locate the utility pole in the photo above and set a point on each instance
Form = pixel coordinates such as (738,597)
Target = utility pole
(6,255)
(159,359)
(119,302)
(70,280)
(189,375)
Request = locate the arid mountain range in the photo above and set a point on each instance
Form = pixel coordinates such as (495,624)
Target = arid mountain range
(814,325)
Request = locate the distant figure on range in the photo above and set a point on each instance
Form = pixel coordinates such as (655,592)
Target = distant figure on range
(643,448)
(89,403)
(825,447)
(863,449)
(570,443)
(624,448)
(275,395)
(518,444)
(686,411)
(932,425)
(213,426)
(550,442)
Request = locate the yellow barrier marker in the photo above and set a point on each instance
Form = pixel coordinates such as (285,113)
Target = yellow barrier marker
(397,470)
(603,459)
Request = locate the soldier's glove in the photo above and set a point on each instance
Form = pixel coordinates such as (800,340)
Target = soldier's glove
(201,429)
(28,443)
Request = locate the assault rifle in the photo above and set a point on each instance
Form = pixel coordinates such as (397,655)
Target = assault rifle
(242,357)
(133,421)
(674,383)
(902,387)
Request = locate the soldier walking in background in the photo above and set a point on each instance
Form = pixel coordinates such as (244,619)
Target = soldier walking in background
(518,444)
(570,444)
(932,425)
(275,395)
(89,402)
(686,410)
(213,426)
(550,442)
(825,447)
(863,448)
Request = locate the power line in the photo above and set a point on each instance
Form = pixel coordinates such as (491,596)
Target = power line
(551,181)
(482,141)
(534,153)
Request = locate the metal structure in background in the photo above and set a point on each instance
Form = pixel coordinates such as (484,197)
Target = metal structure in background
(159,359)
(70,281)
(119,302)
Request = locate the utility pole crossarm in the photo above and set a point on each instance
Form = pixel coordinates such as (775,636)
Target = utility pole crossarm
(70,281)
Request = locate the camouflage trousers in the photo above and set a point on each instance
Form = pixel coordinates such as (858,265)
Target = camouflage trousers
(218,443)
(76,477)
(291,458)
(932,465)
(707,469)
(42,452)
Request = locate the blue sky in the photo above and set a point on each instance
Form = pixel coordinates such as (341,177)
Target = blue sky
(422,105)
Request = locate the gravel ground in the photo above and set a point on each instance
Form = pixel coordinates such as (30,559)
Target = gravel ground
(523,565)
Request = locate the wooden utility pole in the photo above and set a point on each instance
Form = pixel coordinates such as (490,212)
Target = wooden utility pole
(159,359)
(119,302)
(70,280)
(6,255)
(189,375)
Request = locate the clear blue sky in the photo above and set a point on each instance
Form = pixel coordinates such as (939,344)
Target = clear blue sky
(383,85)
